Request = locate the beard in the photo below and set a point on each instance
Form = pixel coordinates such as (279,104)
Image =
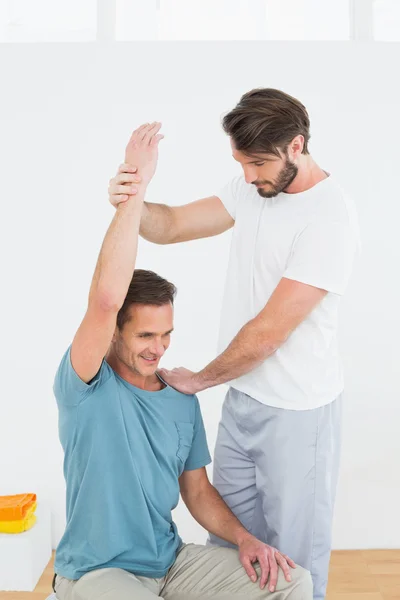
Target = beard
(285,177)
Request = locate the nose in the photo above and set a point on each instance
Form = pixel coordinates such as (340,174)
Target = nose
(157,348)
(249,175)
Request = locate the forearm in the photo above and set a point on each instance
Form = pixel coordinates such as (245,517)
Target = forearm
(209,509)
(248,349)
(117,258)
(157,223)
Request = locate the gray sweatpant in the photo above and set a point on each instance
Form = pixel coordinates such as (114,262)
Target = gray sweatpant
(277,470)
(199,572)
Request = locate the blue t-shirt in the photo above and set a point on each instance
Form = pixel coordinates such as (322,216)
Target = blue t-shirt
(125,449)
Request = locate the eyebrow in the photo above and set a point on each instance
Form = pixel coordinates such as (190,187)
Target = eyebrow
(152,332)
(251,162)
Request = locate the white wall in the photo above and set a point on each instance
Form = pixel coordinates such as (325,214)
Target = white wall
(66,113)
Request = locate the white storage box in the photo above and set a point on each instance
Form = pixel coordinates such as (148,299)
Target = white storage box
(24,556)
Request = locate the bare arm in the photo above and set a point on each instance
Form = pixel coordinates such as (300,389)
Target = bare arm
(203,218)
(163,224)
(111,279)
(288,306)
(209,509)
(114,268)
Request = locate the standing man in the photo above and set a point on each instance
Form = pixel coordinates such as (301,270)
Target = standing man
(294,238)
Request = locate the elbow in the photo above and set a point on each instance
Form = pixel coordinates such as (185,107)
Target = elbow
(106,302)
(157,239)
(269,348)
(272,343)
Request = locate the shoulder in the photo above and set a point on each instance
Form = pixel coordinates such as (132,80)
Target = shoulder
(69,388)
(336,208)
(335,202)
(180,397)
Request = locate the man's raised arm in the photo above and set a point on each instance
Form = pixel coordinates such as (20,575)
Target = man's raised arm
(115,265)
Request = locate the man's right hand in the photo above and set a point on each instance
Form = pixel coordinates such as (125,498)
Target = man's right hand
(141,157)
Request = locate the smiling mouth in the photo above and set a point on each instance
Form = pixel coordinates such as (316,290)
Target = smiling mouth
(149,360)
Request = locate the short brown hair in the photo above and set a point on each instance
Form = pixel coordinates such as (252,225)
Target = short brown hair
(266,120)
(146,287)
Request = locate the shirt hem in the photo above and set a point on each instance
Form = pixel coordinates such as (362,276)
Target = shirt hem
(274,403)
(198,465)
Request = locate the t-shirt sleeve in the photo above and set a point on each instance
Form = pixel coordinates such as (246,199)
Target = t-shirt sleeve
(69,389)
(322,256)
(199,455)
(230,193)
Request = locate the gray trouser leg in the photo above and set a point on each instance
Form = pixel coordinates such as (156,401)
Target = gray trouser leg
(277,470)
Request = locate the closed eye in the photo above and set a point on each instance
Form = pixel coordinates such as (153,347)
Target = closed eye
(259,164)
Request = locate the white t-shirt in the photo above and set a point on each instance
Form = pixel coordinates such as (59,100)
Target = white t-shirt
(310,237)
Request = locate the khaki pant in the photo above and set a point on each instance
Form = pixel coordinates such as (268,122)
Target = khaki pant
(199,572)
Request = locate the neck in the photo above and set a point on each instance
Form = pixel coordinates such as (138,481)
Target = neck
(149,383)
(309,174)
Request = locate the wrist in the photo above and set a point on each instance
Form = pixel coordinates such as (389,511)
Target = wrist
(132,205)
(134,199)
(242,535)
(141,189)
(198,383)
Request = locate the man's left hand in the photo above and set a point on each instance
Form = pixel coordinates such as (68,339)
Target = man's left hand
(181,379)
(270,560)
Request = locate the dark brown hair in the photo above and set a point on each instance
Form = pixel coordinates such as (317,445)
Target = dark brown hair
(146,287)
(265,120)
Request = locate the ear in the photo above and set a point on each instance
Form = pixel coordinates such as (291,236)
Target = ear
(295,147)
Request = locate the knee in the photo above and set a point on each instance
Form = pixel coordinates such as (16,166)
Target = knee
(302,584)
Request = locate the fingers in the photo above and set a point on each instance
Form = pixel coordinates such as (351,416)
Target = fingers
(283,563)
(250,570)
(145,134)
(120,193)
(138,133)
(273,566)
(290,562)
(151,131)
(156,139)
(120,187)
(265,569)
(125,178)
(124,189)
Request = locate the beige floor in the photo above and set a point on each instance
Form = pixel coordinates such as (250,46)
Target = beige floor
(355,575)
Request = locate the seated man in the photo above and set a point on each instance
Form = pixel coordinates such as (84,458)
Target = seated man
(131,443)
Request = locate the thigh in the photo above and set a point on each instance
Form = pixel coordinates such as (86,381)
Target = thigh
(108,584)
(233,469)
(296,455)
(213,572)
